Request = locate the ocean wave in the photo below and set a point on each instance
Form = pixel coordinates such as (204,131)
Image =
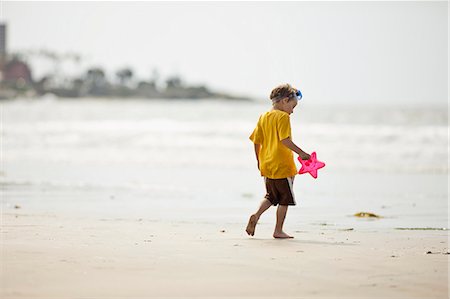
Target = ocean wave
(195,134)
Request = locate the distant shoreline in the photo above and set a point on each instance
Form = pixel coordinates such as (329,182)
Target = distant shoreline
(124,99)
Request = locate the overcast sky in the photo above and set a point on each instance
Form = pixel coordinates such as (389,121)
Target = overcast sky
(364,52)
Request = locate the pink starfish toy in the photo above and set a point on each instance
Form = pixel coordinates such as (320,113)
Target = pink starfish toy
(311,165)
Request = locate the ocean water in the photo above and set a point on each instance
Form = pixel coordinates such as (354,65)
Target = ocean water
(185,160)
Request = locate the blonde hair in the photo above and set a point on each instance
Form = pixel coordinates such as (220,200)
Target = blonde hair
(281,91)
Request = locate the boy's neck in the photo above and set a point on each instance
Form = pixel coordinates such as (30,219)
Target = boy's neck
(276,107)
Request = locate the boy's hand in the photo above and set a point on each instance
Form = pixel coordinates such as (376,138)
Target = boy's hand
(305,156)
(291,145)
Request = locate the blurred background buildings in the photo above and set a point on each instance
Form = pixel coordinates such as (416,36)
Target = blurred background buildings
(17,79)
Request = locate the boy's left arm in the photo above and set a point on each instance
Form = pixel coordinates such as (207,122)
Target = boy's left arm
(291,145)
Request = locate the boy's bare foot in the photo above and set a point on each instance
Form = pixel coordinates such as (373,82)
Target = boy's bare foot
(281,235)
(251,225)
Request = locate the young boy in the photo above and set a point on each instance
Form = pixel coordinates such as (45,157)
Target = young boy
(273,149)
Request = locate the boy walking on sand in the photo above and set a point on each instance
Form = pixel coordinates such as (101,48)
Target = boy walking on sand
(273,149)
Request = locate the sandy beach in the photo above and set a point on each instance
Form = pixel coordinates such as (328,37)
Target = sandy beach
(133,199)
(128,170)
(51,256)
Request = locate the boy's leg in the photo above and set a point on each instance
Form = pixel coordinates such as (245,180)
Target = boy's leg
(281,215)
(265,204)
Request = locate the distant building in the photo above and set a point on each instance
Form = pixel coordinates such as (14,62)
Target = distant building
(3,40)
(16,71)
(12,71)
(2,48)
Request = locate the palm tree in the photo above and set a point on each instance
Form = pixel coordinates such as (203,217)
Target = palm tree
(124,75)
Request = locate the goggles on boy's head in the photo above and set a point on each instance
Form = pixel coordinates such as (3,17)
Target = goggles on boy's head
(297,95)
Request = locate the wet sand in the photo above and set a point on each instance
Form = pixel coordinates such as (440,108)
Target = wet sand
(50,255)
(142,199)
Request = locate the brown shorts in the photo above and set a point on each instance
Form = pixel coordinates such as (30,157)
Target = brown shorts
(280,191)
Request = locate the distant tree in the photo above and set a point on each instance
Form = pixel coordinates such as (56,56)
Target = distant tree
(173,82)
(96,81)
(78,86)
(124,75)
(95,76)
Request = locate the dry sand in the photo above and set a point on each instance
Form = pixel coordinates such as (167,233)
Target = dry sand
(54,256)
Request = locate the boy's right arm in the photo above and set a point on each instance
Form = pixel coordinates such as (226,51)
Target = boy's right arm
(291,145)
(257,148)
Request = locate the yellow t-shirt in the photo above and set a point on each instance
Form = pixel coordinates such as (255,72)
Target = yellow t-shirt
(276,161)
